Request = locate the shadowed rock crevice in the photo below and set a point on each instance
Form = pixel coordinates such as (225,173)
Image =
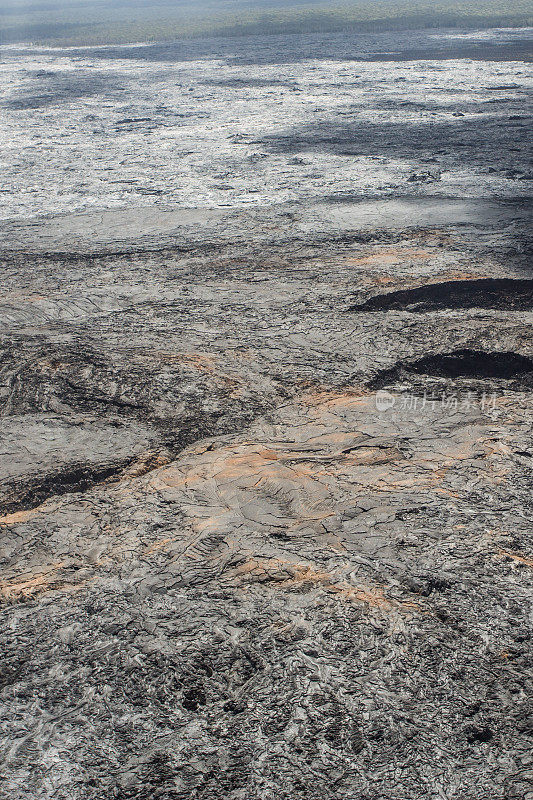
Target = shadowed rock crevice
(478,365)
(33,490)
(498,293)
(38,489)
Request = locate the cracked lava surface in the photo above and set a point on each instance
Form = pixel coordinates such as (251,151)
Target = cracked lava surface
(265,493)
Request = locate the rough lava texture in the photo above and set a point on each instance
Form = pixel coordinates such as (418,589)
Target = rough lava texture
(258,542)
(266,362)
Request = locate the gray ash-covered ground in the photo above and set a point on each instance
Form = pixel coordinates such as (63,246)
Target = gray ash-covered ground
(265,488)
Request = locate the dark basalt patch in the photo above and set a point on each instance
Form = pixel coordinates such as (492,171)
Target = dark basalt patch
(478,734)
(33,491)
(506,294)
(470,364)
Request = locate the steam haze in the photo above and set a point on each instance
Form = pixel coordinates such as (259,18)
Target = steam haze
(89,23)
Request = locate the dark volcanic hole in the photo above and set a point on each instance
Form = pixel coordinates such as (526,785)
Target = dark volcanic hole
(499,293)
(193,698)
(474,364)
(478,734)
